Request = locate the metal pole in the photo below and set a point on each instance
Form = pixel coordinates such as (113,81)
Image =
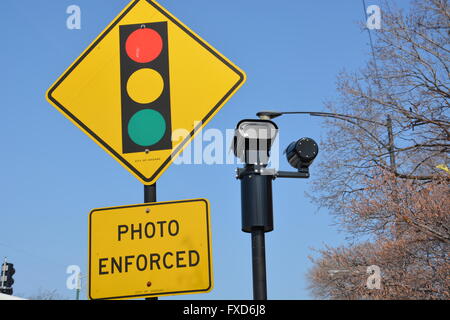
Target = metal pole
(150,196)
(259,265)
(78,286)
(257,218)
(150,193)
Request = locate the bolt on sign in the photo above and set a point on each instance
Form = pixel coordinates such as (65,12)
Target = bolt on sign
(148,250)
(145,76)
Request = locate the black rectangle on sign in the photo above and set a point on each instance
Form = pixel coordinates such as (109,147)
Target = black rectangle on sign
(145,87)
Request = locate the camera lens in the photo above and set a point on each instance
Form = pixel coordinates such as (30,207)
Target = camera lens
(301,154)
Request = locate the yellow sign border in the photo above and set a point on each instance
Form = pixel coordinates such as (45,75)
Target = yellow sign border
(210,266)
(175,152)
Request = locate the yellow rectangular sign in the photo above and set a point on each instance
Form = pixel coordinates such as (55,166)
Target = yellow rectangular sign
(149,250)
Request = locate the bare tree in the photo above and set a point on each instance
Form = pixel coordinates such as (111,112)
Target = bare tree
(380,177)
(410,224)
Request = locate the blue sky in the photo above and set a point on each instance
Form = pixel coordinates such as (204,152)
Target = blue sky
(53,175)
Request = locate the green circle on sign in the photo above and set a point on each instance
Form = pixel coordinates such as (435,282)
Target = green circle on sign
(147,127)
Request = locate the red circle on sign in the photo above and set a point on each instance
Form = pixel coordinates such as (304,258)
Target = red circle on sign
(144,45)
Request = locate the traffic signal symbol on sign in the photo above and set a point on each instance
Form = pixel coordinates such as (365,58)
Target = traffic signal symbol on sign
(145,87)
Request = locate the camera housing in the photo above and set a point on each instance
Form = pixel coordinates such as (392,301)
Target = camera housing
(301,153)
(253,140)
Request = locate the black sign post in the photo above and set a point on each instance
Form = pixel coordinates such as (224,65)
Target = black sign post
(150,196)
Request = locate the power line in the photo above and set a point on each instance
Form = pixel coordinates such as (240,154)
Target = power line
(31,255)
(371,41)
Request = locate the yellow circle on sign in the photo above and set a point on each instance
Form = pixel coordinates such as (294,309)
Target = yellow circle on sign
(145,86)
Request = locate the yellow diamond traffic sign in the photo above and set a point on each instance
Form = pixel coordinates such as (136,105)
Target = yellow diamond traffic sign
(152,249)
(144,82)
